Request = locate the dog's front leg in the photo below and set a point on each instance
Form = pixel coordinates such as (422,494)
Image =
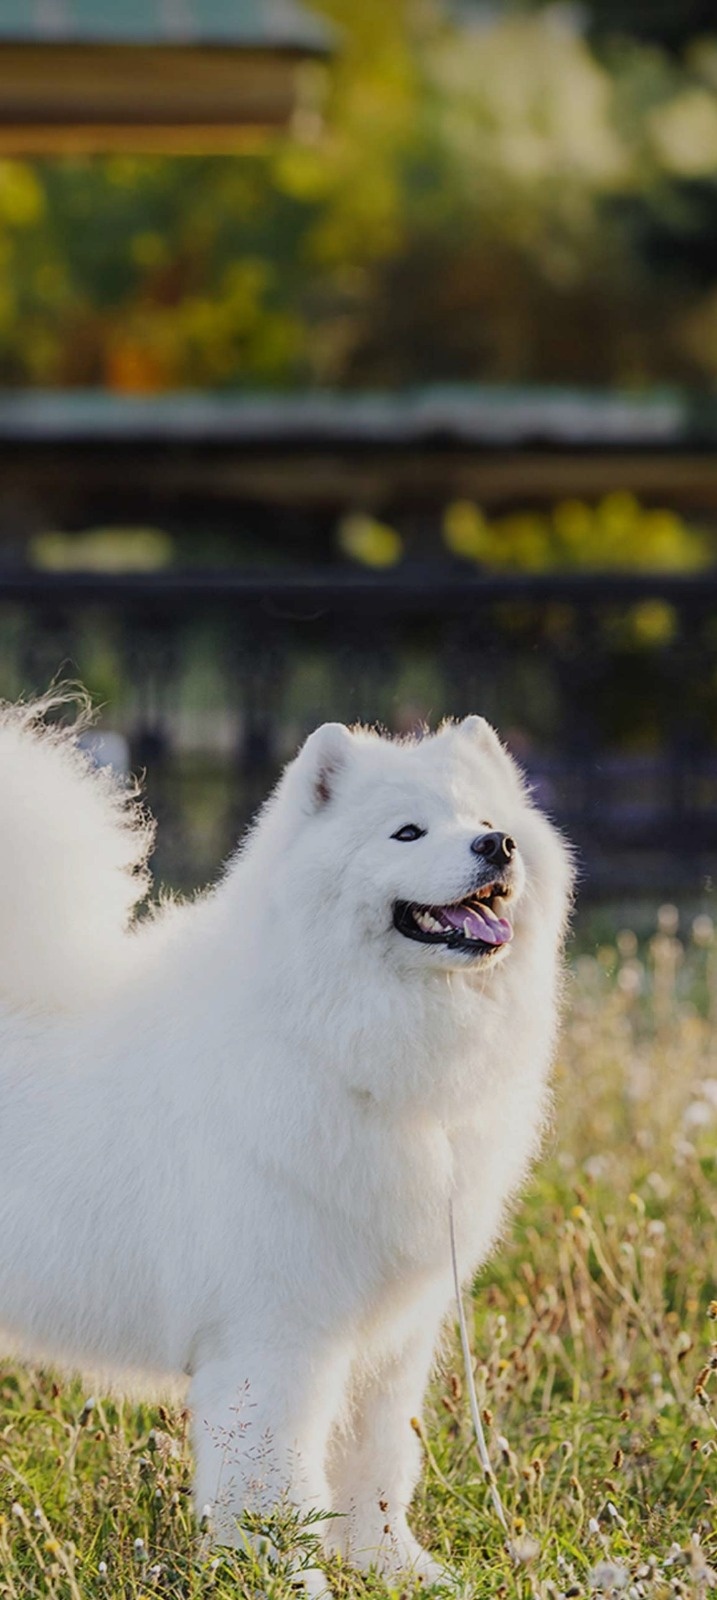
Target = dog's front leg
(376,1462)
(261,1423)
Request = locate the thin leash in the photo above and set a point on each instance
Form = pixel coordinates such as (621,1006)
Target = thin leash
(483,1456)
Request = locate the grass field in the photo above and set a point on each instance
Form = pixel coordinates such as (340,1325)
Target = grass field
(594,1330)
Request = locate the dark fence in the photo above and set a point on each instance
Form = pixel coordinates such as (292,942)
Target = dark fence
(605,686)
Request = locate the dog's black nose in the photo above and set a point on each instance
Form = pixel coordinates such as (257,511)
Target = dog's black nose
(496,847)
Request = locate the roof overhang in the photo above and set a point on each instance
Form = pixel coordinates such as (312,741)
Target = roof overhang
(101,78)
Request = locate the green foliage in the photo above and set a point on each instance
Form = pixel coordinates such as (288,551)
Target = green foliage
(467,195)
(616,535)
(594,1331)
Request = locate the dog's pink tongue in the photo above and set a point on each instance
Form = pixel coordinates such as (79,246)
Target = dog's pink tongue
(478,924)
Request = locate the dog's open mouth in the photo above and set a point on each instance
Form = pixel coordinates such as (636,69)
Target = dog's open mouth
(477,924)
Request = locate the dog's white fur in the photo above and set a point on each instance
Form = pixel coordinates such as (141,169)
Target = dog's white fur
(229,1135)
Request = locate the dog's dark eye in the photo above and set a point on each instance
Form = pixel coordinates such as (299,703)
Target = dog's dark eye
(410,831)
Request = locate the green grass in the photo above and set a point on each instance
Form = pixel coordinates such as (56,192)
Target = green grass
(594,1331)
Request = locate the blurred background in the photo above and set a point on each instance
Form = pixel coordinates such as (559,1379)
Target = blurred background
(361,362)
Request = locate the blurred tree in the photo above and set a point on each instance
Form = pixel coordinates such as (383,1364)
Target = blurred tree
(493,194)
(673,23)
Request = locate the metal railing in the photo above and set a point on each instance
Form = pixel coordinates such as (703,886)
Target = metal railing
(605,686)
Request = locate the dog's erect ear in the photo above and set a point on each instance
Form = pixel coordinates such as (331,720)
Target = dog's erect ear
(483,735)
(322,759)
(486,741)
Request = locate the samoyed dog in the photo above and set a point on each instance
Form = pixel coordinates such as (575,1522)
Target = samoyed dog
(231,1131)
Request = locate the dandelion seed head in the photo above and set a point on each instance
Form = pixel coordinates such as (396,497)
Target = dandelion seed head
(629,978)
(668,919)
(608,1576)
(703,930)
(524,1549)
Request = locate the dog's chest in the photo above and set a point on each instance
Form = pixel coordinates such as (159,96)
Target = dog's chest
(403,1200)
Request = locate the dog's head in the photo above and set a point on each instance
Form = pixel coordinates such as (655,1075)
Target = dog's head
(429,851)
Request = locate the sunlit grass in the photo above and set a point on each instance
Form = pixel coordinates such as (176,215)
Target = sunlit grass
(594,1334)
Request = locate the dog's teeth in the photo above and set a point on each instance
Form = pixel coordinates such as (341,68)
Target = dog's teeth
(434,927)
(466,929)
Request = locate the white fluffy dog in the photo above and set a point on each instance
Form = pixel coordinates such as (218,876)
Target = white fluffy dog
(230,1134)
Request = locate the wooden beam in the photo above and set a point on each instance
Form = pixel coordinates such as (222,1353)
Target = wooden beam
(63,98)
(315,481)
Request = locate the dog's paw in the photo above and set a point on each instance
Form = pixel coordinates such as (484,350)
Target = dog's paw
(427,1573)
(397,1555)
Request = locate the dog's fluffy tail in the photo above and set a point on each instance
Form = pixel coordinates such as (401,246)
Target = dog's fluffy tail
(74,844)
